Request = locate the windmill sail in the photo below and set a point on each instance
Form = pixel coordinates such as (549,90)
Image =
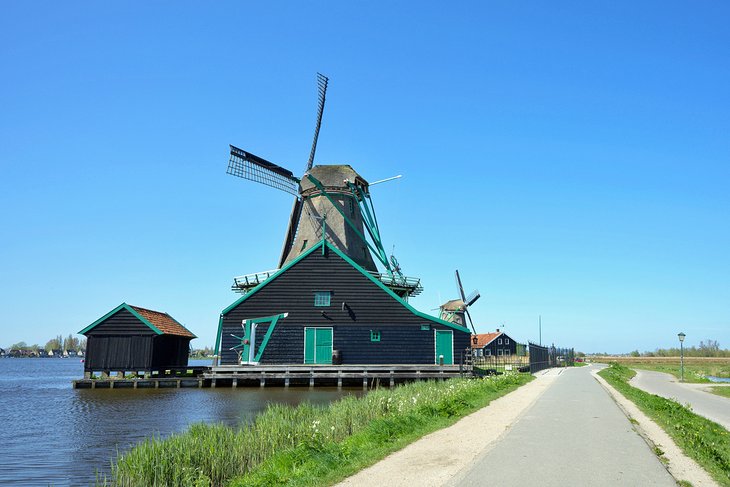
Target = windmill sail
(254,168)
(322,85)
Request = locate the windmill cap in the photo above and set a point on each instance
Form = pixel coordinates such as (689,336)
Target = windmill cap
(332,177)
(453,305)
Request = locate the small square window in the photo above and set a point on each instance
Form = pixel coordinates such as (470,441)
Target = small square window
(499,341)
(506,341)
(322,298)
(374,335)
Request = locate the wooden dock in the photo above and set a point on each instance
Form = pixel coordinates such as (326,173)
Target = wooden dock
(367,376)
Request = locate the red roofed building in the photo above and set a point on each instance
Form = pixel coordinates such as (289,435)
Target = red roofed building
(497,343)
(130,338)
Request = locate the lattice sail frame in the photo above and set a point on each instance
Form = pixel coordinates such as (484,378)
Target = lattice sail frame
(254,168)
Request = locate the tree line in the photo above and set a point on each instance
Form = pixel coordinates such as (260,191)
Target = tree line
(709,348)
(68,344)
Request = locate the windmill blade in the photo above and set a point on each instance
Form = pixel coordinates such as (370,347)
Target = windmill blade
(472,298)
(460,287)
(291,231)
(470,321)
(254,168)
(322,81)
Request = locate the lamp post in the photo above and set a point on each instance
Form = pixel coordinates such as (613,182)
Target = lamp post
(681,354)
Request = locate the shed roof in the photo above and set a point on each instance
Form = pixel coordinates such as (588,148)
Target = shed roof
(484,339)
(161,323)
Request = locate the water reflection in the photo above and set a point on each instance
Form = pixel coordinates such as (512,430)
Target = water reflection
(58,435)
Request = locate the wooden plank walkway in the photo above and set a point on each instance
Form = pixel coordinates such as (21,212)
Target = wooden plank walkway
(327,375)
(284,375)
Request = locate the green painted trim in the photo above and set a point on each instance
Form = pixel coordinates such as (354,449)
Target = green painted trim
(322,299)
(396,297)
(265,341)
(218,337)
(371,224)
(274,276)
(362,271)
(134,313)
(320,187)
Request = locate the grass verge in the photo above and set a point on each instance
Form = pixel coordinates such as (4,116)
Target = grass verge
(696,369)
(721,390)
(307,445)
(706,442)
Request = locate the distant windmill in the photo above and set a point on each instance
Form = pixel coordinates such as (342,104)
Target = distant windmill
(331,202)
(457,310)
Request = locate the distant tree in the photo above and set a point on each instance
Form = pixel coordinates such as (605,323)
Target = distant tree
(82,344)
(635,353)
(71,343)
(19,346)
(54,343)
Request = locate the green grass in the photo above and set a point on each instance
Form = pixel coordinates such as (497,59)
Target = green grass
(721,390)
(307,445)
(706,442)
(696,369)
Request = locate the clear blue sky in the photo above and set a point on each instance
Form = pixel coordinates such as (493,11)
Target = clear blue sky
(570,158)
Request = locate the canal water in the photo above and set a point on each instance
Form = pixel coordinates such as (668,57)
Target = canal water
(52,434)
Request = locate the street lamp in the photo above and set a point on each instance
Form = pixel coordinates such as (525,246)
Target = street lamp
(681,354)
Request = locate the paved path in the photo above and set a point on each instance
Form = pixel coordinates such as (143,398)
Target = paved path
(574,434)
(711,406)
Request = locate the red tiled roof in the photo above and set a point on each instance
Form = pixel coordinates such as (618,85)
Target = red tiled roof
(163,322)
(483,339)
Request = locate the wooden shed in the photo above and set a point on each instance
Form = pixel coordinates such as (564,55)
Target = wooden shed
(130,338)
(324,308)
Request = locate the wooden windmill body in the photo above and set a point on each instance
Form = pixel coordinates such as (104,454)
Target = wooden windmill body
(332,203)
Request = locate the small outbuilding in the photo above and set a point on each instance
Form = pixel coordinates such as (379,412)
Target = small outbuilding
(130,338)
(497,343)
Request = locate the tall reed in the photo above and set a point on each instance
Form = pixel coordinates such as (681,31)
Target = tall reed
(213,454)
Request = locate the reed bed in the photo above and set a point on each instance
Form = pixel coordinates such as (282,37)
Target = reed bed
(214,454)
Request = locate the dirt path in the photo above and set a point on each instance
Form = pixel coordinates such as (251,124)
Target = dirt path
(436,458)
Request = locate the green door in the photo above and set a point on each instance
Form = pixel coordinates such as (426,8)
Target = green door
(318,345)
(445,346)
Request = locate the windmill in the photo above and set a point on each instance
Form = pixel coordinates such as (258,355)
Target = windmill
(457,310)
(331,202)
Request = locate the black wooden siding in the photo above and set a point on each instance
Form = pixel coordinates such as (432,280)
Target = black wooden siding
(367,307)
(123,342)
(494,345)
